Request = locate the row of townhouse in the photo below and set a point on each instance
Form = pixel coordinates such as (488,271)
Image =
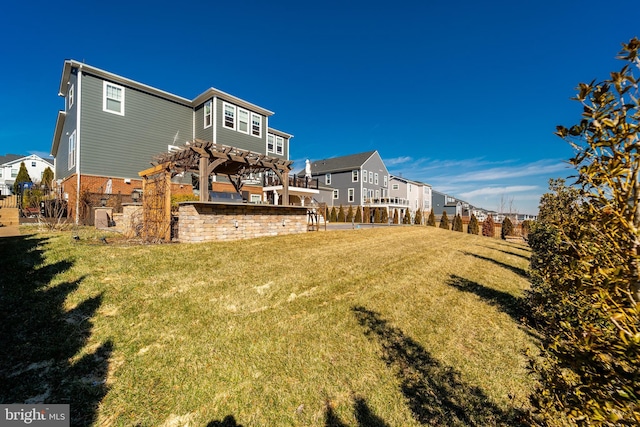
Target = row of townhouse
(112,127)
(363,180)
(10,166)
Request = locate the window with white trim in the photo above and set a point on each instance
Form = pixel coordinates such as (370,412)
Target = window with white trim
(279,145)
(364,175)
(270,142)
(243,121)
(71,157)
(384,181)
(14,173)
(229,116)
(208,114)
(351,192)
(375,178)
(377,194)
(370,177)
(327,179)
(364,195)
(354,175)
(70,97)
(33,164)
(336,194)
(255,198)
(395,187)
(256,125)
(113,98)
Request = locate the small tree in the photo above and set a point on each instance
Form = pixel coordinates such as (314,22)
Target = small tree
(385,216)
(507,228)
(23,176)
(418,219)
(350,214)
(457,223)
(431,221)
(341,215)
(407,217)
(488,227)
(444,221)
(396,215)
(525,228)
(47,178)
(333,217)
(366,216)
(358,218)
(473,227)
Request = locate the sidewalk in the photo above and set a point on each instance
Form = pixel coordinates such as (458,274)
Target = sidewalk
(9,231)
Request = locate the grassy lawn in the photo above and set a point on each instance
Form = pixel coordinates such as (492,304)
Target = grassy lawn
(399,326)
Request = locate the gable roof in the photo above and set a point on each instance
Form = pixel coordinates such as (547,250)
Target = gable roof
(337,164)
(7,158)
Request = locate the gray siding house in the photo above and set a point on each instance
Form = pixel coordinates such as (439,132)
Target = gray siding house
(112,127)
(444,203)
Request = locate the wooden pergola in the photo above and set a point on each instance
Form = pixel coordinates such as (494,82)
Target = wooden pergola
(208,158)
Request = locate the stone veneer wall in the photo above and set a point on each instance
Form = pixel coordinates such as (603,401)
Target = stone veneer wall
(207,221)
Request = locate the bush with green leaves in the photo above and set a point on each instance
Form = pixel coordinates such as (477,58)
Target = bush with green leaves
(585,294)
(444,221)
(23,176)
(47,178)
(385,216)
(350,214)
(341,216)
(431,221)
(473,227)
(358,217)
(507,228)
(407,217)
(457,223)
(489,227)
(333,216)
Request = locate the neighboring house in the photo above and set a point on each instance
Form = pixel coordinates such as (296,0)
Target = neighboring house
(416,194)
(356,179)
(444,203)
(10,166)
(113,127)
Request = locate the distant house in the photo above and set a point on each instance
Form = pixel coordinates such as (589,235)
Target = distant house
(416,194)
(112,127)
(10,166)
(445,203)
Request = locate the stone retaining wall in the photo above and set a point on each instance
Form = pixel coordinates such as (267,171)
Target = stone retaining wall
(207,221)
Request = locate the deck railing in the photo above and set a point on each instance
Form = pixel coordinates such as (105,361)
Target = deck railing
(294,181)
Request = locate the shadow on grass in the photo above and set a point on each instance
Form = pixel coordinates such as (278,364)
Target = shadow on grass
(435,393)
(364,416)
(505,302)
(527,257)
(39,337)
(519,271)
(228,421)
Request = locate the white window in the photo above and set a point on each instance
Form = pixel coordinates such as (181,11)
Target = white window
(384,181)
(229,116)
(370,177)
(243,121)
(375,178)
(364,195)
(70,97)
(14,173)
(71,159)
(395,187)
(270,139)
(354,175)
(364,175)
(409,188)
(377,194)
(208,114)
(0,172)
(33,164)
(351,194)
(327,179)
(336,195)
(256,125)
(256,198)
(279,145)
(113,98)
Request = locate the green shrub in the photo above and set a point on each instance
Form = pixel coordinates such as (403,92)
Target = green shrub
(396,215)
(385,216)
(473,227)
(431,221)
(444,221)
(333,217)
(407,217)
(418,219)
(350,214)
(457,223)
(507,228)
(341,215)
(358,218)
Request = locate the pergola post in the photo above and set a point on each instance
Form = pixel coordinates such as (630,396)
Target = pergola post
(204,178)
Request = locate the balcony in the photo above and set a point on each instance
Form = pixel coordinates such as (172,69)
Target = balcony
(387,201)
(294,182)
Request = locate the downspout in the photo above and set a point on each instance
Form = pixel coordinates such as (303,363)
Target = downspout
(78,139)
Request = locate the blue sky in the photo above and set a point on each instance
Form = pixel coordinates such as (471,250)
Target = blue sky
(462,95)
